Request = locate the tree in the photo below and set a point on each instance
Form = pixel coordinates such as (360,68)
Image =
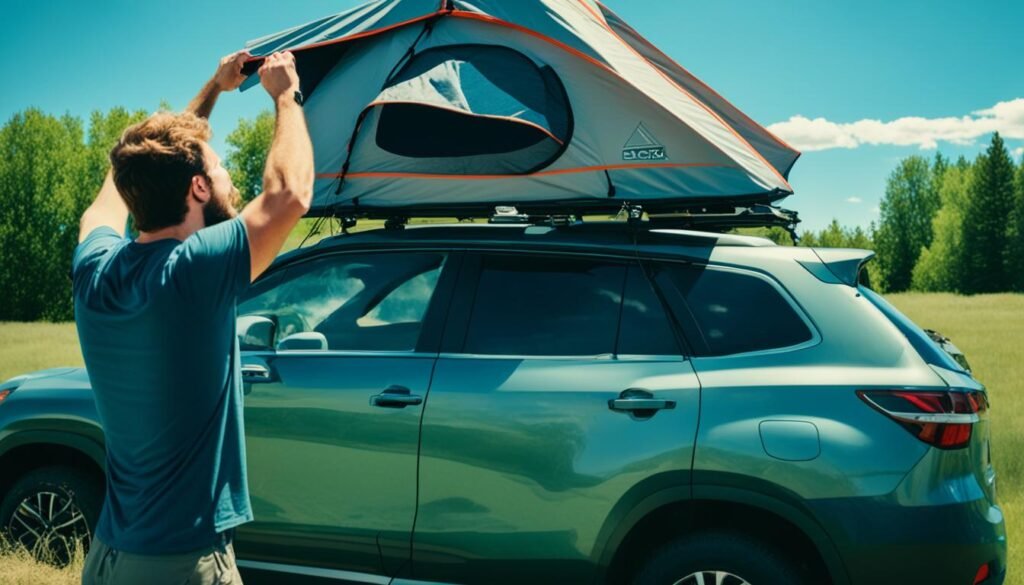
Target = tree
(986,233)
(40,174)
(907,209)
(1015,255)
(49,174)
(248,145)
(940,266)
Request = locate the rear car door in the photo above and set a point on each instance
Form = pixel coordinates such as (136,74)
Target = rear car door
(561,387)
(333,412)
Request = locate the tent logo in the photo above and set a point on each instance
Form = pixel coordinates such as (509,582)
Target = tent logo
(642,145)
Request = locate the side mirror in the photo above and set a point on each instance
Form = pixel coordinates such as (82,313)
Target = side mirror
(309,341)
(256,333)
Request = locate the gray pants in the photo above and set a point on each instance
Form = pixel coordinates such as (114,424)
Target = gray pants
(214,565)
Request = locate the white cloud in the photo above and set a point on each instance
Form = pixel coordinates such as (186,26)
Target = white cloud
(876,210)
(1018,152)
(821,134)
(854,199)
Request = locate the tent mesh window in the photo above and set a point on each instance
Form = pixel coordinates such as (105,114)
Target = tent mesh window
(473,109)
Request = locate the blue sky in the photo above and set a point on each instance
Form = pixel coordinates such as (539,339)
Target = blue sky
(815,70)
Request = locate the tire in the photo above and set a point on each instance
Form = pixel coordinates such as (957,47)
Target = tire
(743,560)
(51,511)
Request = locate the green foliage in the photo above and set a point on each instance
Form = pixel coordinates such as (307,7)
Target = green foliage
(49,174)
(247,154)
(911,201)
(940,266)
(1015,250)
(986,231)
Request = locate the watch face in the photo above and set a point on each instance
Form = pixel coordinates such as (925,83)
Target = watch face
(298,97)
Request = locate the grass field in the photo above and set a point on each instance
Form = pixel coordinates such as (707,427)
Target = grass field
(988,328)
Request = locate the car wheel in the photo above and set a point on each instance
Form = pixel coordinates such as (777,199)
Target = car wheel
(51,511)
(718,559)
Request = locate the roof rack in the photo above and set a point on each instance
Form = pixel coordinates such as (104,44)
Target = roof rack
(725,218)
(721,218)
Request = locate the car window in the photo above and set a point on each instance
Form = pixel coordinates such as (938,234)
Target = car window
(734,312)
(540,305)
(645,328)
(367,302)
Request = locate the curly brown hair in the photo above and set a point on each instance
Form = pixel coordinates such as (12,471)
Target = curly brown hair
(154,163)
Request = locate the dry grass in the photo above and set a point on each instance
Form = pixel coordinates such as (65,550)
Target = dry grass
(988,328)
(19,567)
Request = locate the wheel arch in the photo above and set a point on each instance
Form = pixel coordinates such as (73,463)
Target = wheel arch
(28,450)
(667,513)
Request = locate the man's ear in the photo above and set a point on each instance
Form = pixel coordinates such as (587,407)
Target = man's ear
(200,189)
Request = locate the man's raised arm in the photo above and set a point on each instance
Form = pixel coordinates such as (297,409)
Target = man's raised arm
(288,177)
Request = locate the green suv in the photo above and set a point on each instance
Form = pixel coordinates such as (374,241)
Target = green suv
(582,403)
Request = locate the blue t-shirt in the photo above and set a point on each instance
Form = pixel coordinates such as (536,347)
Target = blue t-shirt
(156,323)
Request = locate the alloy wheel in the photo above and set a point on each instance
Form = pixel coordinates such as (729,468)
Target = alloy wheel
(712,578)
(49,524)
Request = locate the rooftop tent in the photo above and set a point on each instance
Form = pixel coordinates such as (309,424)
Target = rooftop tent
(456,106)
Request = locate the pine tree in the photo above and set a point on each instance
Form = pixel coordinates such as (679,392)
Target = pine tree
(907,210)
(986,228)
(1015,254)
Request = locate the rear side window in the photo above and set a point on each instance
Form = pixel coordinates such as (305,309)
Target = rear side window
(929,351)
(536,305)
(731,312)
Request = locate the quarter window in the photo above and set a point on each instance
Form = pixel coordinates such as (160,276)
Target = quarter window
(733,312)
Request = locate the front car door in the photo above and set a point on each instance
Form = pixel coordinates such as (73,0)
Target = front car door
(560,388)
(333,412)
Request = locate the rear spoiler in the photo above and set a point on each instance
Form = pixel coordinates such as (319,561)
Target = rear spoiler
(839,265)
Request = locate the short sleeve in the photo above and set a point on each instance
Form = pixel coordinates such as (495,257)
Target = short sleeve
(91,250)
(214,262)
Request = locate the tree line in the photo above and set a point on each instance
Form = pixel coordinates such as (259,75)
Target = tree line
(943,226)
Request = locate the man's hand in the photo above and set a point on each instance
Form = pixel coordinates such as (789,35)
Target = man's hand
(278,76)
(229,73)
(227,78)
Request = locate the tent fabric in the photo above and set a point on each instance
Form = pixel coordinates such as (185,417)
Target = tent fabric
(467,104)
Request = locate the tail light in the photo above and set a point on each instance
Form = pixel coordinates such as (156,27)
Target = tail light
(941,419)
(4,394)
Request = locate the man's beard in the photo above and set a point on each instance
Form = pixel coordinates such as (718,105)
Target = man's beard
(221,209)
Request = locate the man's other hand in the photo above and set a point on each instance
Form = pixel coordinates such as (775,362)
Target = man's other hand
(229,72)
(278,75)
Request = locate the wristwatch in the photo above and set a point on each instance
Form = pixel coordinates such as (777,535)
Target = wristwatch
(298,97)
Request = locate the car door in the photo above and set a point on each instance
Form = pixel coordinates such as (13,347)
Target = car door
(560,389)
(332,412)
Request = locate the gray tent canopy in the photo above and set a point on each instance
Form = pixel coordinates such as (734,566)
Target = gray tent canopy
(456,106)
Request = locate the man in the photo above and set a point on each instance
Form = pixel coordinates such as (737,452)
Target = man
(156,321)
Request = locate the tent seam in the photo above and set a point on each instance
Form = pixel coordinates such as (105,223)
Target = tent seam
(555,172)
(602,66)
(651,45)
(658,70)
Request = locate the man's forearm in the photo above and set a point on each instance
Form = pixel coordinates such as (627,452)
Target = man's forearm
(289,166)
(202,104)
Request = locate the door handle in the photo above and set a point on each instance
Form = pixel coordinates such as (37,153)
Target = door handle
(639,402)
(396,397)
